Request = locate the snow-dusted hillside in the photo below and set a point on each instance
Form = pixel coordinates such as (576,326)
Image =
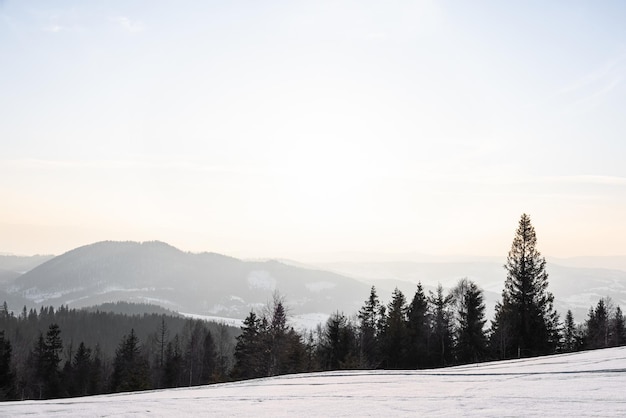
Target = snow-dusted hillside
(582,384)
(202,284)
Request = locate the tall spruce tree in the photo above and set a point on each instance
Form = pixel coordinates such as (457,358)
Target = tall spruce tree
(277,338)
(370,323)
(526,323)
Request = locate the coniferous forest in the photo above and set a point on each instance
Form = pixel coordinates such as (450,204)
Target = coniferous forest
(64,352)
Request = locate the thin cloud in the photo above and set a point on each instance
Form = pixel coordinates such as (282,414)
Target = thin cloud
(593,87)
(133,26)
(166,165)
(53,28)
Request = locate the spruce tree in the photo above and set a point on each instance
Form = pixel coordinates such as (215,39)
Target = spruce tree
(7,378)
(598,328)
(395,337)
(370,321)
(277,338)
(53,345)
(570,334)
(247,351)
(618,336)
(525,321)
(82,369)
(441,347)
(208,359)
(471,342)
(173,368)
(337,343)
(131,371)
(418,328)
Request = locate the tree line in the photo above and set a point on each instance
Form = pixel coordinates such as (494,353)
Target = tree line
(134,352)
(433,330)
(68,352)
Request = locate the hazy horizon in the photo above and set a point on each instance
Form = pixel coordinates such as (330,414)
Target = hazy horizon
(282,129)
(321,259)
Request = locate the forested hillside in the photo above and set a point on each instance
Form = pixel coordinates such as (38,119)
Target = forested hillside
(68,352)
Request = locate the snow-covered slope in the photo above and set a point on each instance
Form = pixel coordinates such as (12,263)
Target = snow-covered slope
(582,384)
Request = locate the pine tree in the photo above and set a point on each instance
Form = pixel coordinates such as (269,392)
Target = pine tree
(570,333)
(277,338)
(597,335)
(395,337)
(441,349)
(418,324)
(172,376)
(370,320)
(131,370)
(4,310)
(53,346)
(7,377)
(295,358)
(208,359)
(471,341)
(525,322)
(194,352)
(161,339)
(247,355)
(618,337)
(82,369)
(336,350)
(96,380)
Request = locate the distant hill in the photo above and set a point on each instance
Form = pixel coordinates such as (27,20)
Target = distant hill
(206,283)
(19,264)
(220,286)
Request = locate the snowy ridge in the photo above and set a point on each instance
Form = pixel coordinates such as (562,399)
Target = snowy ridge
(581,384)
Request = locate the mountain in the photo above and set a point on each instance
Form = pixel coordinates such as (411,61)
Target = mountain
(206,283)
(17,264)
(588,383)
(216,285)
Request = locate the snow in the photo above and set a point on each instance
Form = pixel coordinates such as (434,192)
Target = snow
(317,287)
(308,321)
(261,279)
(37,296)
(582,384)
(233,322)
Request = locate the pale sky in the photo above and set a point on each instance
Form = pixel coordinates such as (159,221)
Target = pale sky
(281,129)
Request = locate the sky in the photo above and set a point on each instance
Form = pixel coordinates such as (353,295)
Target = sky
(293,129)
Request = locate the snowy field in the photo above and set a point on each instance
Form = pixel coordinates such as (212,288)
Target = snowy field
(582,384)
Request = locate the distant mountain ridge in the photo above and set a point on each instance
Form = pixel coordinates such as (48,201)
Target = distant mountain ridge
(205,283)
(217,285)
